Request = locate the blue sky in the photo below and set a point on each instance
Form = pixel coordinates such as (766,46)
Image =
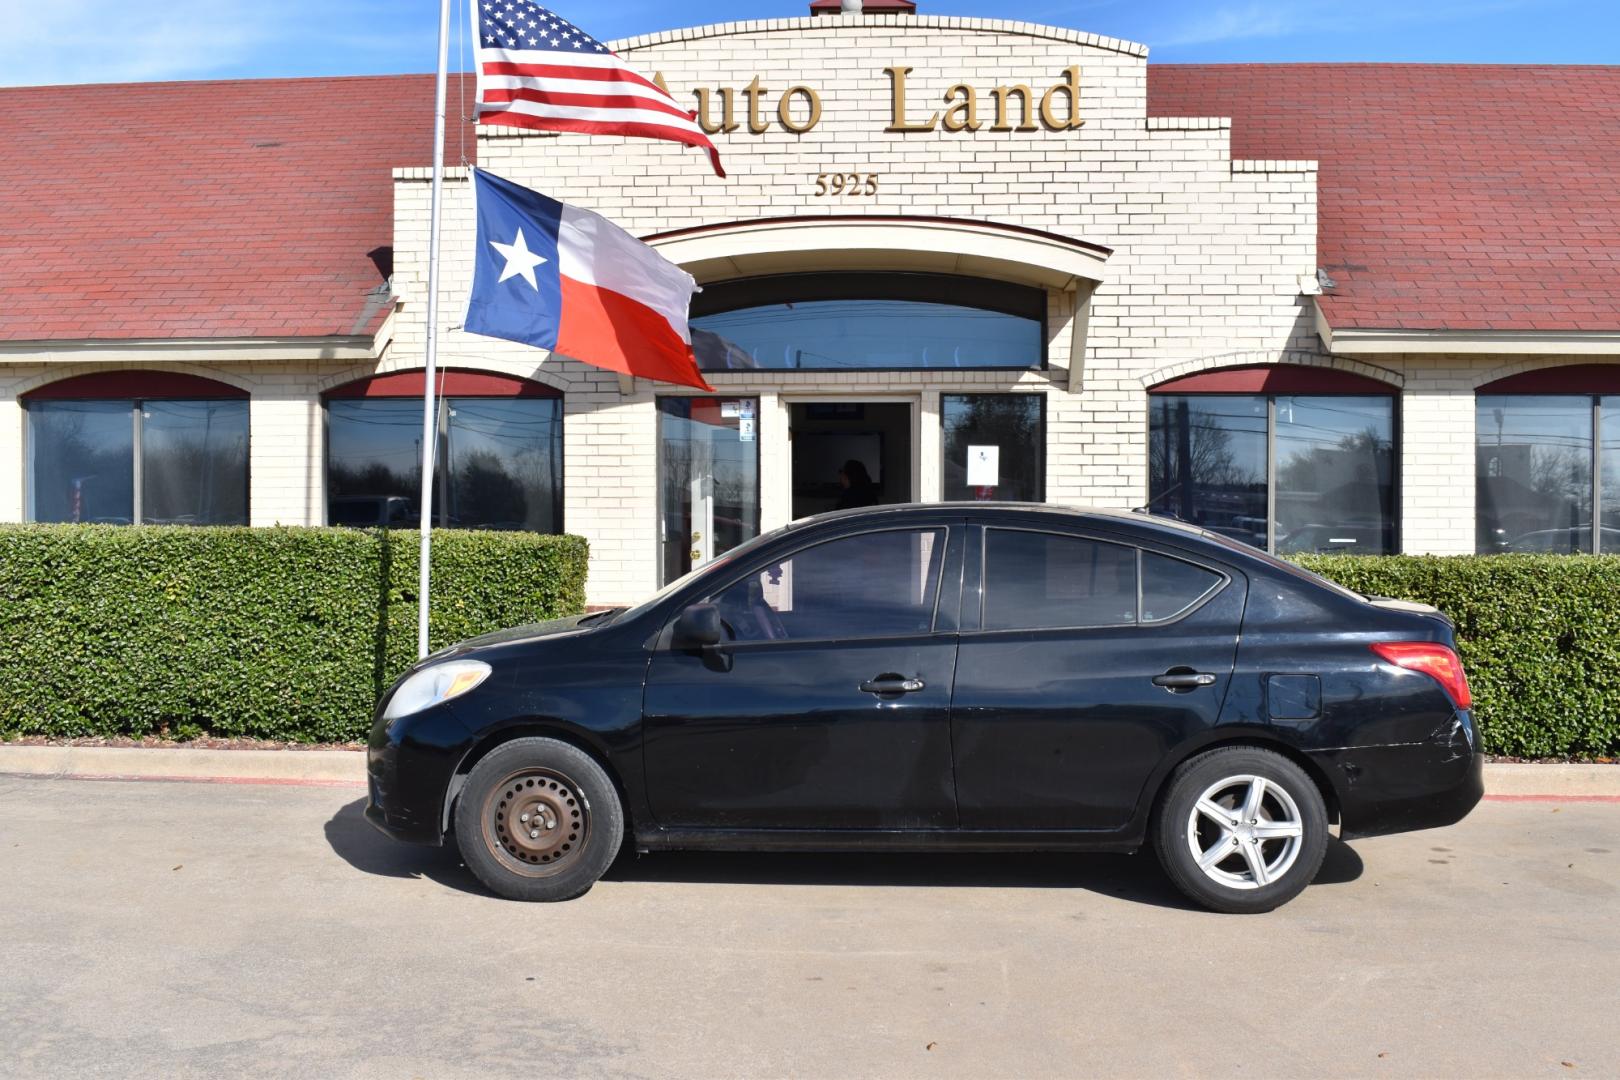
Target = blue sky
(62,41)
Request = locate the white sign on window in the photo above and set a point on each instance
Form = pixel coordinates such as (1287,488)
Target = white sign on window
(983,466)
(745,429)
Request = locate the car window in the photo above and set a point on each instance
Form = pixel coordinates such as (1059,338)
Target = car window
(1035,580)
(878,584)
(1170,586)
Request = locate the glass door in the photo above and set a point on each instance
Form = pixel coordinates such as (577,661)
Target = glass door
(708,479)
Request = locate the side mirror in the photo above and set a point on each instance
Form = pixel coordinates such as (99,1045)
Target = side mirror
(698,627)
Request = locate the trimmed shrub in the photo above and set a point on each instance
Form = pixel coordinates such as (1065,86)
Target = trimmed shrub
(278,633)
(1539,636)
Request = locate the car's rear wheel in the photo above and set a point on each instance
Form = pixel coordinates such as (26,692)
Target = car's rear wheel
(538,819)
(1241,829)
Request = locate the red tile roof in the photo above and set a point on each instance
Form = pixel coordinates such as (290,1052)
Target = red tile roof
(1450,197)
(204,209)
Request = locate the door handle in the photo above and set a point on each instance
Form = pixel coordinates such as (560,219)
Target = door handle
(1184,680)
(892,684)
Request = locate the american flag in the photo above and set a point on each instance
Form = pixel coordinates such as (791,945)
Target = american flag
(538,70)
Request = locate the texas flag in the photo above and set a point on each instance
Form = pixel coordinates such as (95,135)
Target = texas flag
(565,279)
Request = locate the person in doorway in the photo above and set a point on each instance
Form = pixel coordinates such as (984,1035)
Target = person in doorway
(858,489)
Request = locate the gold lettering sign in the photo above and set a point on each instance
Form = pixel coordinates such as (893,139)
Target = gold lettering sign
(798,108)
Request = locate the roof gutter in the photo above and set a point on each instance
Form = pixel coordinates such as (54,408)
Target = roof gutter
(1380,342)
(342,347)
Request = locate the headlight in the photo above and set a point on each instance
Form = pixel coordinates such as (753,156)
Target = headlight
(434,684)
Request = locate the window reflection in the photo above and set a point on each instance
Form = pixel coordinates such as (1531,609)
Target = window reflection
(1207,462)
(1332,480)
(1335,474)
(1534,473)
(880,584)
(83,461)
(1012,423)
(1034,580)
(194,465)
(708,479)
(1609,438)
(826,322)
(192,469)
(499,463)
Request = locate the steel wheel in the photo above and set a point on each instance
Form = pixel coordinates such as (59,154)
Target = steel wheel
(1245,832)
(536,822)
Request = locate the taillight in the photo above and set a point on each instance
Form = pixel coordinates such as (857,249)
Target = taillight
(1434,660)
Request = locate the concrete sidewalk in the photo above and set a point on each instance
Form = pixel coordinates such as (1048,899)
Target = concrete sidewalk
(320,768)
(317,768)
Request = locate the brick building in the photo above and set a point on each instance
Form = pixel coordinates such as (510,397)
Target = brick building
(1317,307)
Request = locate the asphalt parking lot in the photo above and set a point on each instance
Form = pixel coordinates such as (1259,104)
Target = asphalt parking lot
(168,929)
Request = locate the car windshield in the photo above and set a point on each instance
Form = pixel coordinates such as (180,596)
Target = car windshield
(715,563)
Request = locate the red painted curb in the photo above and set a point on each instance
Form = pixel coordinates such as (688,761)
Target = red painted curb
(1554,798)
(273,781)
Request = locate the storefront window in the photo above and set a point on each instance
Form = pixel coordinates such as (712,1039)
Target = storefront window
(1207,462)
(1535,476)
(499,462)
(708,479)
(190,469)
(1328,475)
(836,322)
(994,446)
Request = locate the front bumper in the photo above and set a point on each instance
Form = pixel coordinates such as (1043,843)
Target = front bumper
(408,775)
(1391,789)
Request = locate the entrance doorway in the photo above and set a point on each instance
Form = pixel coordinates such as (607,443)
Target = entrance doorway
(850,453)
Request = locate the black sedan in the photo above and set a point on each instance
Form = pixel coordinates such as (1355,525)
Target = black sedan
(948,676)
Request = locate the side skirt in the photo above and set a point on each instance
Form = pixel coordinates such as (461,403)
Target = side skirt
(692,839)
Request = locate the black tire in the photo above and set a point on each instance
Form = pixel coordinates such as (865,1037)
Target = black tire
(573,812)
(1288,797)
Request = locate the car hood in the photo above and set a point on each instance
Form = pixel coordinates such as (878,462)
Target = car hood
(511,635)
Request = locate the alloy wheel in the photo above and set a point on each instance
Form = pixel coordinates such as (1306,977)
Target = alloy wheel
(1245,832)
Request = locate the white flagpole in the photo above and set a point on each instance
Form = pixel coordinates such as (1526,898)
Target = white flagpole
(430,415)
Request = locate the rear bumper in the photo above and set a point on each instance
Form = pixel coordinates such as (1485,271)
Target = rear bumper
(1390,789)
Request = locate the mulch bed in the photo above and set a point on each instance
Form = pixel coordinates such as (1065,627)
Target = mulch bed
(156,741)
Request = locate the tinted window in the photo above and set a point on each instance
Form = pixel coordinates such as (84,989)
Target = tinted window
(868,321)
(1331,480)
(192,468)
(1170,586)
(879,584)
(1336,474)
(1012,427)
(1534,473)
(1207,462)
(708,479)
(499,463)
(194,462)
(83,456)
(1037,580)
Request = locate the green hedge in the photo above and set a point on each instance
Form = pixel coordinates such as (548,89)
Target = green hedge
(1539,636)
(267,633)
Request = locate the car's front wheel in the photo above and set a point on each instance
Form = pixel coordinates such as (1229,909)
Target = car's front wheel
(538,819)
(1241,829)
